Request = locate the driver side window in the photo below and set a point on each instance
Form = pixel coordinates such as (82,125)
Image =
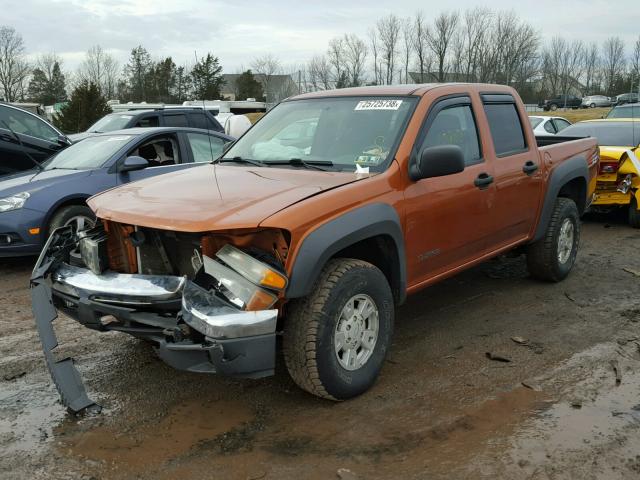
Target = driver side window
(159,151)
(455,126)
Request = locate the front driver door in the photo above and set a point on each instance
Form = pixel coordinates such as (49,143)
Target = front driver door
(165,154)
(448,218)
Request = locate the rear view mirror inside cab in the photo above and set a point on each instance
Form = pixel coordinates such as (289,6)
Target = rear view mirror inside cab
(437,162)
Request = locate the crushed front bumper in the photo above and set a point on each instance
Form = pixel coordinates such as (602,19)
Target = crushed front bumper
(190,328)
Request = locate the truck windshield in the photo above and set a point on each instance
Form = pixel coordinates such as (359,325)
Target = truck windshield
(340,132)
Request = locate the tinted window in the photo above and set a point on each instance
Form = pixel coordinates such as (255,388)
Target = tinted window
(506,129)
(205,148)
(455,126)
(561,124)
(179,120)
(625,112)
(198,120)
(614,134)
(548,126)
(27,124)
(150,121)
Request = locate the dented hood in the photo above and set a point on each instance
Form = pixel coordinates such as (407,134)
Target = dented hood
(203,198)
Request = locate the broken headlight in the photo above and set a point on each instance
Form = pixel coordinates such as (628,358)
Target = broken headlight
(93,249)
(237,289)
(256,271)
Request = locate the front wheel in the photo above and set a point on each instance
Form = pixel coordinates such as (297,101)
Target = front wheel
(553,107)
(634,213)
(552,257)
(336,339)
(593,105)
(79,217)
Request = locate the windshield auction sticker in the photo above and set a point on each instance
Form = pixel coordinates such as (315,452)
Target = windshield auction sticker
(378,105)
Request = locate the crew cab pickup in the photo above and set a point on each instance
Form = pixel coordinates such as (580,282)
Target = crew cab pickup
(313,227)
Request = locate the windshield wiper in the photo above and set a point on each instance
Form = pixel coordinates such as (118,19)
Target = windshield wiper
(311,164)
(257,163)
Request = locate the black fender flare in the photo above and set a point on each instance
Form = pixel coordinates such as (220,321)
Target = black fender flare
(575,167)
(341,232)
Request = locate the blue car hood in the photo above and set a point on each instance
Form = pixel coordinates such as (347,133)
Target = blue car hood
(33,180)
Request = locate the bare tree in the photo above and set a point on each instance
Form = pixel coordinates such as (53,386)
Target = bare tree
(355,58)
(420,45)
(613,61)
(375,51)
(591,67)
(635,65)
(100,68)
(319,71)
(14,69)
(477,23)
(336,57)
(408,35)
(388,32)
(268,65)
(440,38)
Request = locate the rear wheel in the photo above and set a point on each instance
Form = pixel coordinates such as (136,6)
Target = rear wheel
(336,339)
(593,105)
(552,257)
(78,216)
(634,213)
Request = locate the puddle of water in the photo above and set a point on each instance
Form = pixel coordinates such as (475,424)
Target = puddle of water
(27,414)
(148,444)
(593,430)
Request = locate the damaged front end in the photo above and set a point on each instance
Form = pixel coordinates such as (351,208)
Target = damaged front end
(205,304)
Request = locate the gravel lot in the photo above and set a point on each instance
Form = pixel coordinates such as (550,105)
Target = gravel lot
(441,408)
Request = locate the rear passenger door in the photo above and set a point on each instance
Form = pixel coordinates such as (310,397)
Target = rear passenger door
(516,166)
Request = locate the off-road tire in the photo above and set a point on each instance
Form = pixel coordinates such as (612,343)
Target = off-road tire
(634,214)
(542,256)
(311,322)
(62,216)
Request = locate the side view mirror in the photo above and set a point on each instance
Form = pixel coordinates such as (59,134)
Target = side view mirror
(64,141)
(437,162)
(133,163)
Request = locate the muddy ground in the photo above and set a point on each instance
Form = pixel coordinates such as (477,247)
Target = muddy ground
(566,406)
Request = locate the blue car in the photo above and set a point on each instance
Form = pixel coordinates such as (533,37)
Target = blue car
(34,203)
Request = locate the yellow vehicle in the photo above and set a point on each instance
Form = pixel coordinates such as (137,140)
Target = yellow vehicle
(618,183)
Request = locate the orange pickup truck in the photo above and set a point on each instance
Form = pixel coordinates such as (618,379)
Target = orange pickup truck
(313,227)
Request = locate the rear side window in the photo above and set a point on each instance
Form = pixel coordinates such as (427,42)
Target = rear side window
(179,120)
(561,124)
(150,121)
(455,126)
(549,127)
(506,128)
(198,120)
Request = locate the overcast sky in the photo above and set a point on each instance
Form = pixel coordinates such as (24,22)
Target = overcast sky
(237,31)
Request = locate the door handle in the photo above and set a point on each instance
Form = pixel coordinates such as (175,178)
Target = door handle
(483,181)
(530,167)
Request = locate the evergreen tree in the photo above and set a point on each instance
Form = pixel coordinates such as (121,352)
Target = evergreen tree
(207,78)
(248,87)
(39,87)
(164,73)
(47,89)
(86,106)
(181,87)
(58,84)
(137,74)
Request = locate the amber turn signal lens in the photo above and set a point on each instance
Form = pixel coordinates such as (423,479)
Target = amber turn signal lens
(274,280)
(34,231)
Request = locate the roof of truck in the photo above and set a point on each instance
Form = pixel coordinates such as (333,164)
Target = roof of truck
(391,90)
